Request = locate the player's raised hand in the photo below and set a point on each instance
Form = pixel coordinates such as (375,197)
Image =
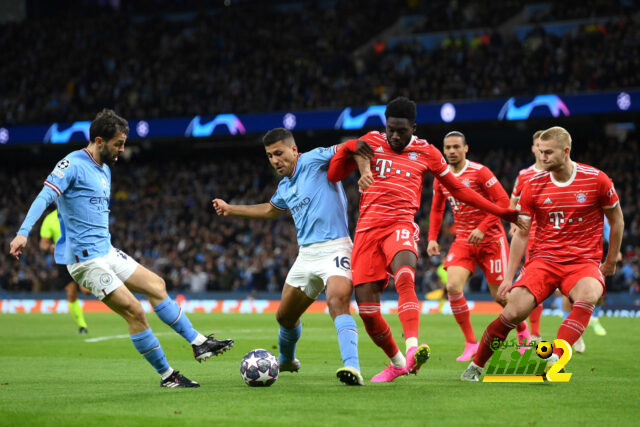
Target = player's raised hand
(221,207)
(433,248)
(504,289)
(17,245)
(475,237)
(364,149)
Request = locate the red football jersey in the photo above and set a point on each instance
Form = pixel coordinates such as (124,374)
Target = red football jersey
(466,217)
(523,176)
(395,193)
(569,215)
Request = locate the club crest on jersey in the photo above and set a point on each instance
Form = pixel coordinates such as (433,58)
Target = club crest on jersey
(104,183)
(581,197)
(294,188)
(466,182)
(413,156)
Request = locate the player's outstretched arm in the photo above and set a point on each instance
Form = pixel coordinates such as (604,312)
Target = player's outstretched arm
(435,218)
(616,222)
(516,252)
(512,204)
(352,154)
(43,199)
(496,195)
(467,195)
(261,211)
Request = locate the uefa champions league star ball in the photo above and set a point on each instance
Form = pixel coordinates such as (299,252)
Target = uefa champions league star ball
(259,368)
(544,349)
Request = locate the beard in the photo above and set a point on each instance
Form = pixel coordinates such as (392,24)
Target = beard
(107,158)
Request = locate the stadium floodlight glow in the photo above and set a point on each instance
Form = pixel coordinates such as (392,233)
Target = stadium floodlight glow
(289,121)
(56,136)
(510,111)
(142,128)
(447,112)
(347,121)
(198,129)
(4,135)
(623,101)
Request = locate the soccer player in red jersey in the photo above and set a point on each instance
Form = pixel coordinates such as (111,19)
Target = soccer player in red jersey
(480,237)
(386,234)
(523,176)
(567,201)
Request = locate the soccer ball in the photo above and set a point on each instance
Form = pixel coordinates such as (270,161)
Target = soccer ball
(544,349)
(259,368)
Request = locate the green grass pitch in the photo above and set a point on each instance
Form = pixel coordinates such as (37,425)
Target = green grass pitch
(49,375)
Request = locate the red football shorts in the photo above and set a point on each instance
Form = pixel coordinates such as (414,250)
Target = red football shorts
(374,249)
(541,277)
(492,258)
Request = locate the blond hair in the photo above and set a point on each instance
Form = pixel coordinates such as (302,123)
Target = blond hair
(557,133)
(537,134)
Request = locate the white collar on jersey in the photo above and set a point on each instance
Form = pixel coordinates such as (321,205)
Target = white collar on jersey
(566,183)
(466,164)
(413,138)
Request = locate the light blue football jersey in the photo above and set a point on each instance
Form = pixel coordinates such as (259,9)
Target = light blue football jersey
(318,207)
(83,188)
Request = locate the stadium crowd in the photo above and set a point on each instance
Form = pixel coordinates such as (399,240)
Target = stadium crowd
(161,214)
(150,65)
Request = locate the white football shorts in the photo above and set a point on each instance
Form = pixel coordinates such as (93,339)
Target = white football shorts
(104,274)
(319,261)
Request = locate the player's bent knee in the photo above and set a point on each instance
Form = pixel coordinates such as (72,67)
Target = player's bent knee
(286,321)
(339,304)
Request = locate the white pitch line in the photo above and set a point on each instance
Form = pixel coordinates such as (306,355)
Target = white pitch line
(113,337)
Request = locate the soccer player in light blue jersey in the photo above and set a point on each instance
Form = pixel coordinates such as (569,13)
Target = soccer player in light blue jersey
(81,185)
(319,210)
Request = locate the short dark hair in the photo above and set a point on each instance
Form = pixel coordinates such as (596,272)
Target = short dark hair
(275,135)
(456,133)
(106,124)
(402,108)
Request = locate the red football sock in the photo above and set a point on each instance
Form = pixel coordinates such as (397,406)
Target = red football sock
(575,324)
(408,310)
(377,328)
(521,326)
(460,311)
(499,328)
(534,319)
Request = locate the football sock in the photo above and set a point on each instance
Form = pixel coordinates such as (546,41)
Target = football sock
(521,326)
(166,374)
(534,319)
(171,314)
(408,310)
(378,328)
(76,311)
(148,346)
(574,325)
(398,360)
(287,340)
(460,311)
(348,340)
(499,329)
(411,342)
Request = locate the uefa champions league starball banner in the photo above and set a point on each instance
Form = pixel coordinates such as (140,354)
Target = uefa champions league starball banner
(349,118)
